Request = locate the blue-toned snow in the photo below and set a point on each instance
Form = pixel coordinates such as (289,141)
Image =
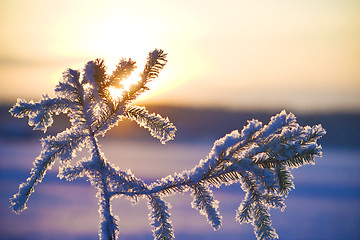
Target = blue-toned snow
(324,205)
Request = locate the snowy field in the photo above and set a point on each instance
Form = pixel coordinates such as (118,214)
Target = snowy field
(324,205)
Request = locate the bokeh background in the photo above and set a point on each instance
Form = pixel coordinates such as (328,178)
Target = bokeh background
(228,61)
(302,55)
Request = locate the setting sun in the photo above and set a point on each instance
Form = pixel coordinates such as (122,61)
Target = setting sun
(116,93)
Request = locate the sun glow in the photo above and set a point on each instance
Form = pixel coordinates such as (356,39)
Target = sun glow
(116,93)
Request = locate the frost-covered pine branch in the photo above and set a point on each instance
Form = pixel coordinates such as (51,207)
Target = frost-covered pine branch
(259,157)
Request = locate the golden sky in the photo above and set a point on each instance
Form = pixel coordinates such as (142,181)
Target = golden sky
(298,55)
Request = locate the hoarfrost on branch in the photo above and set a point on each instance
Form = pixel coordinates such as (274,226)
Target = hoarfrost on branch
(260,157)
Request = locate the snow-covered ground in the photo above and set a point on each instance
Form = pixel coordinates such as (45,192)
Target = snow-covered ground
(324,205)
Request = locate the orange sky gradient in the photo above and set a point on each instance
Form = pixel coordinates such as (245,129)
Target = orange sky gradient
(297,55)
